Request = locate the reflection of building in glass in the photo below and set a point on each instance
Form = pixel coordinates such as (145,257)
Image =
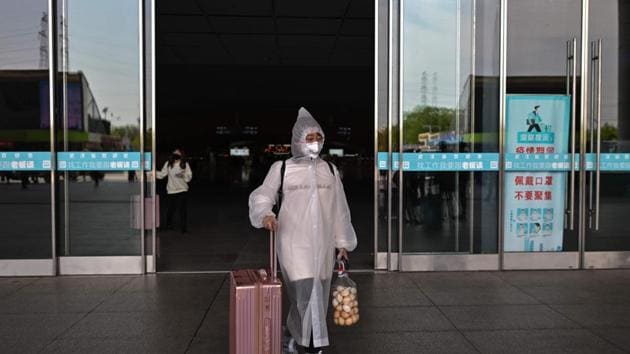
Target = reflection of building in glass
(24,113)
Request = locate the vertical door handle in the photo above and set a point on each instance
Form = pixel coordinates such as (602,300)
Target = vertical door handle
(595,126)
(599,131)
(572,90)
(591,174)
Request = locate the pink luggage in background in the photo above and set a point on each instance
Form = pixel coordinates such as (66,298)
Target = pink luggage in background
(136,220)
(256,309)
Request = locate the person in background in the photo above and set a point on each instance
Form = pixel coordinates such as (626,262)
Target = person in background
(178,172)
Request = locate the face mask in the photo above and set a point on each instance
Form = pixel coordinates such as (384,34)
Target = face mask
(312,149)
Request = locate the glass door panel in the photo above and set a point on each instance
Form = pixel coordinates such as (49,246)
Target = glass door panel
(608,134)
(99,150)
(541,131)
(25,160)
(449,108)
(383,208)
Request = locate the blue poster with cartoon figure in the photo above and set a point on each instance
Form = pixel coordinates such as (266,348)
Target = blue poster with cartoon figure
(537,128)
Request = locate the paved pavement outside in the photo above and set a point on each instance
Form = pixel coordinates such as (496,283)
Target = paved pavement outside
(487,312)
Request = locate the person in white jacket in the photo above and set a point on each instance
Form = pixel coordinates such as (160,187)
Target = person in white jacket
(179,174)
(313,220)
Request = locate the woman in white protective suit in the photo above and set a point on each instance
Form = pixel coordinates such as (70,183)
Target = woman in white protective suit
(313,220)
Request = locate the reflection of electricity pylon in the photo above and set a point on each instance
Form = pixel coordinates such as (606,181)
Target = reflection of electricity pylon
(434,90)
(43,41)
(423,89)
(63,36)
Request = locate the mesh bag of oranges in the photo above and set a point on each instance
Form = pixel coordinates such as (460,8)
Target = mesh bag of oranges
(345,299)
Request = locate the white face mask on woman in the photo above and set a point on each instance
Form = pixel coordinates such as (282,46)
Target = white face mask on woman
(313,149)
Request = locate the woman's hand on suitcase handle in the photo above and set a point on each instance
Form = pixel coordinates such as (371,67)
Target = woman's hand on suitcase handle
(270,223)
(342,255)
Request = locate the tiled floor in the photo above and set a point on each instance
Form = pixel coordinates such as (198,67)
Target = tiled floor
(487,312)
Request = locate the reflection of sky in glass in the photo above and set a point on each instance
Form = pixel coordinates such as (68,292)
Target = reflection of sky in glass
(104,46)
(539,29)
(19,27)
(429,45)
(103,38)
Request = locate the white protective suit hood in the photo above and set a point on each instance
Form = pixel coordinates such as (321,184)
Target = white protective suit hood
(304,125)
(313,220)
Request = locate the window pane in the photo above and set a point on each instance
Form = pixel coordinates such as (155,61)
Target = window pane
(25,220)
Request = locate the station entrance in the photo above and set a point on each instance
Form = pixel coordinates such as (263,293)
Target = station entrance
(230,80)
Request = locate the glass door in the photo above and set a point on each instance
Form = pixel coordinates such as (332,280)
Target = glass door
(607,130)
(541,214)
(26,173)
(449,137)
(101,141)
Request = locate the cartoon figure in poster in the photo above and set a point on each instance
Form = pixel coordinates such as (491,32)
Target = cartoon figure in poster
(548,214)
(522,214)
(534,120)
(535,214)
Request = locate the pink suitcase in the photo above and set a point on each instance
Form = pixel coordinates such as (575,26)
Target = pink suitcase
(256,309)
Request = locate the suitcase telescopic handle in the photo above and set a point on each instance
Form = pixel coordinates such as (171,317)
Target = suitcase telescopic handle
(273,261)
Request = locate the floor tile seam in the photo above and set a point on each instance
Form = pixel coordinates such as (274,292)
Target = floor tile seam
(525,329)
(451,305)
(60,335)
(431,288)
(478,350)
(196,292)
(534,328)
(590,304)
(404,331)
(82,291)
(124,337)
(146,312)
(466,286)
(493,305)
(205,315)
(497,280)
(578,330)
(576,322)
(15,291)
(605,303)
(40,313)
(510,285)
(363,306)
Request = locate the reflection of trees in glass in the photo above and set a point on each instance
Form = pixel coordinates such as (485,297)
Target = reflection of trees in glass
(426,119)
(422,119)
(609,132)
(130,132)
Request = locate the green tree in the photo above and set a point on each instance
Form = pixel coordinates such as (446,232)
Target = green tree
(609,132)
(426,119)
(132,132)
